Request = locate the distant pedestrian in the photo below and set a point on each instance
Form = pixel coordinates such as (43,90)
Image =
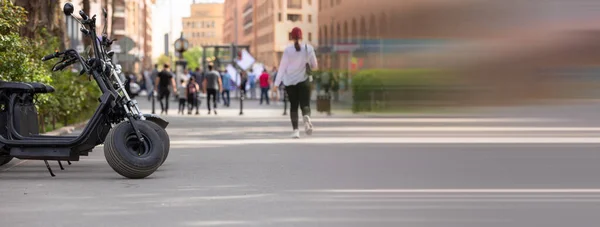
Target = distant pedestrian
(212,85)
(274,92)
(252,80)
(192,91)
(226,79)
(163,81)
(182,96)
(265,84)
(296,61)
(186,75)
(243,84)
(199,75)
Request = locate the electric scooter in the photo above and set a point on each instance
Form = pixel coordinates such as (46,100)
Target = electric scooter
(132,141)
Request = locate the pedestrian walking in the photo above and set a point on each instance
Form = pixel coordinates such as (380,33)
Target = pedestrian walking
(297,62)
(163,81)
(182,96)
(265,85)
(192,91)
(212,85)
(226,79)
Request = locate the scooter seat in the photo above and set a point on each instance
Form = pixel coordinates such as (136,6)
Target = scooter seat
(41,88)
(16,87)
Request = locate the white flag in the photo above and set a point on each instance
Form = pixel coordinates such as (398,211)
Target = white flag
(234,74)
(245,60)
(258,68)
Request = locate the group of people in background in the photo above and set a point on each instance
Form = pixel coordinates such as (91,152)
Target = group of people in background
(217,86)
(292,80)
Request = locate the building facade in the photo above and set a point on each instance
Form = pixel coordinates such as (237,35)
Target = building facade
(205,24)
(266,25)
(353,33)
(233,20)
(131,25)
(130,20)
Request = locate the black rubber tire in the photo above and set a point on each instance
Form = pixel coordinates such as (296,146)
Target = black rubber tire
(5,160)
(164,137)
(123,155)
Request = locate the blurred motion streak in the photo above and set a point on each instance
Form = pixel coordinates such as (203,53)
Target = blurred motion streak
(477,52)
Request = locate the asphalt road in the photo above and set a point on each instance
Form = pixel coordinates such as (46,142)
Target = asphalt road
(227,170)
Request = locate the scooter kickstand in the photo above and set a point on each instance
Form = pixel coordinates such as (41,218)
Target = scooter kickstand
(49,169)
(60,164)
(69,162)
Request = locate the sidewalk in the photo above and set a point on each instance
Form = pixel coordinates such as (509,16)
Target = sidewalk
(252,108)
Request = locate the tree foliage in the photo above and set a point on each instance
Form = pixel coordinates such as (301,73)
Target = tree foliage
(20,60)
(163,59)
(193,57)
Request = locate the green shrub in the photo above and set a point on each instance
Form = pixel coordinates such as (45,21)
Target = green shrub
(20,60)
(384,90)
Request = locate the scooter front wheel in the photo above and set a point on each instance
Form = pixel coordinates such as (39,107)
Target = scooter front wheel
(164,137)
(128,156)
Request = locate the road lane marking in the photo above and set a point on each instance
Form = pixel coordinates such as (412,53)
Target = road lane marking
(459,191)
(221,130)
(399,140)
(394,120)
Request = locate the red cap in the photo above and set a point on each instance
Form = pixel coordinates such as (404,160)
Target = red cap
(296,33)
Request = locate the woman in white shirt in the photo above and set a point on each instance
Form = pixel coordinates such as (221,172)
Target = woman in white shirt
(292,72)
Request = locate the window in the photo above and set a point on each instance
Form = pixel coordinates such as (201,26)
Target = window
(331,5)
(279,15)
(310,2)
(294,17)
(294,4)
(310,36)
(309,18)
(119,9)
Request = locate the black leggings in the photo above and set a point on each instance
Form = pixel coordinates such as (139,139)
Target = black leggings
(164,94)
(193,102)
(299,96)
(181,105)
(211,92)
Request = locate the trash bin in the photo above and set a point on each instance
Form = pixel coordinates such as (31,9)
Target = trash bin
(324,103)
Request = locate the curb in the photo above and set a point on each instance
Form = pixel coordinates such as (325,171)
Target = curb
(67,129)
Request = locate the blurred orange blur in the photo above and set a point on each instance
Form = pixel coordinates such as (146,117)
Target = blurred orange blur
(502,50)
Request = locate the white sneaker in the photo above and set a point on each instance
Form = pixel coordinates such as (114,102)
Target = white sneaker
(296,134)
(308,127)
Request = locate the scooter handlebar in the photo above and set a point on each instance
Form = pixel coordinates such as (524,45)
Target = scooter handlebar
(50,56)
